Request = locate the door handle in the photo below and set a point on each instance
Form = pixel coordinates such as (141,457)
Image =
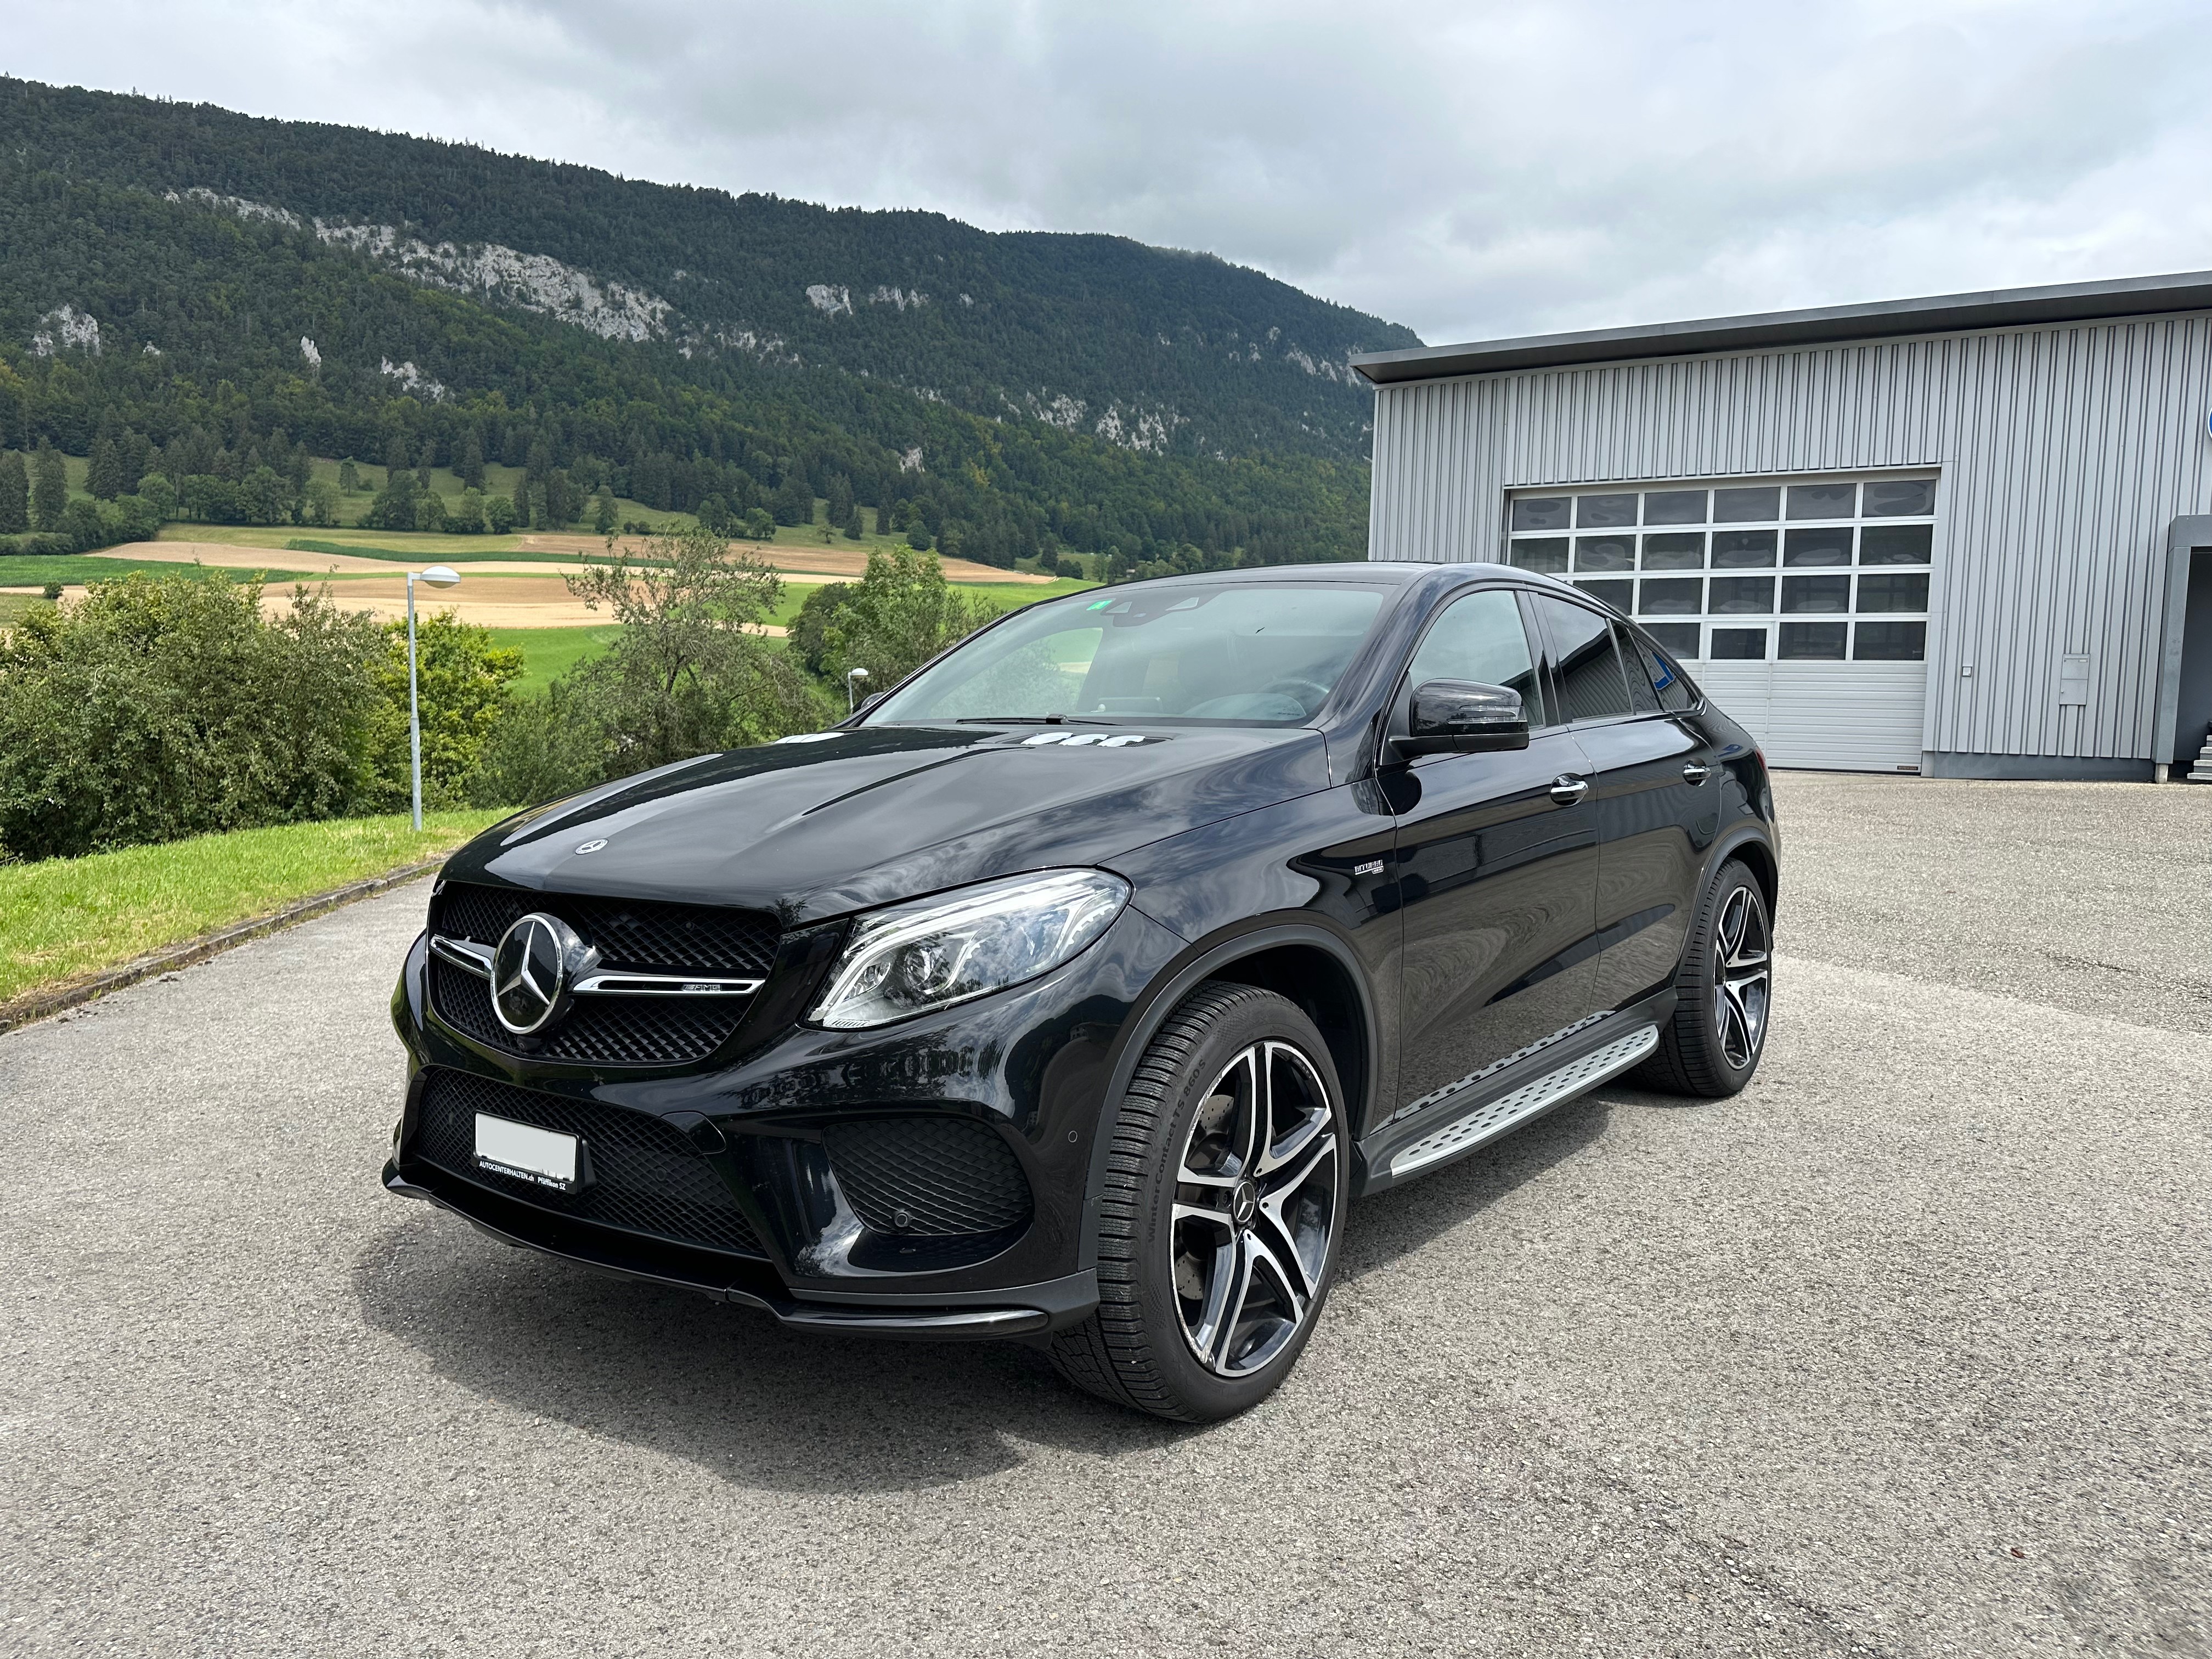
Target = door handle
(1696,773)
(1567,789)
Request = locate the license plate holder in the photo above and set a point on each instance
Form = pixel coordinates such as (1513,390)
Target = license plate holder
(523,1152)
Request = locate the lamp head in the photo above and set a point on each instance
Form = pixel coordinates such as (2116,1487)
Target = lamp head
(439,575)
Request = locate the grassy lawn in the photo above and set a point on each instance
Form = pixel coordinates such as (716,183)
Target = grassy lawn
(64,918)
(547,653)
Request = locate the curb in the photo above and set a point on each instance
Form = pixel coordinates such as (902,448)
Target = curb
(41,1004)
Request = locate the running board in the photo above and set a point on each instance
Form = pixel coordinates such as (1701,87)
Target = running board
(1493,1118)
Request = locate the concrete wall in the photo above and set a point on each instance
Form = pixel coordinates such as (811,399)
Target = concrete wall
(2065,452)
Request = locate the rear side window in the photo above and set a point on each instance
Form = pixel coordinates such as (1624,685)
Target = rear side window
(1668,684)
(1478,637)
(1585,667)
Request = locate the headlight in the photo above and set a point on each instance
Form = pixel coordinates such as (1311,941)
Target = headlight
(910,959)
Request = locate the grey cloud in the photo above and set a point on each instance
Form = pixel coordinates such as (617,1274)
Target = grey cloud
(1468,169)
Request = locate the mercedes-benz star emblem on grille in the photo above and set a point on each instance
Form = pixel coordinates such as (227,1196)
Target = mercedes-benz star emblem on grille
(533,970)
(590,846)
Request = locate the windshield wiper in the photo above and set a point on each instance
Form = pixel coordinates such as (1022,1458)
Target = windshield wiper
(1029,720)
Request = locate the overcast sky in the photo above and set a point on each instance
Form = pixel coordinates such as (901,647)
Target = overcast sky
(1472,171)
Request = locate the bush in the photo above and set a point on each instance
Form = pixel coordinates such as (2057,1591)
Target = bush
(165,708)
(897,617)
(688,673)
(808,636)
(461,679)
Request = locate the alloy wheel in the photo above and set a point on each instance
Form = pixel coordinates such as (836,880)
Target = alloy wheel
(1254,1207)
(1743,975)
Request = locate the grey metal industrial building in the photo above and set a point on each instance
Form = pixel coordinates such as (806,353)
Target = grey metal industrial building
(1969,536)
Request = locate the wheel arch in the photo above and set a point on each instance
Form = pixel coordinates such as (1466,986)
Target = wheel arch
(1756,853)
(1309,966)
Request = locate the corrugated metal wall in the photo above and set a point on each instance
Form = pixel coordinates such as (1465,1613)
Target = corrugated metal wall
(2065,453)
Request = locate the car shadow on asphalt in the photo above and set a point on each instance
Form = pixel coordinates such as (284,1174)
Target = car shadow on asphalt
(1399,1220)
(731,1390)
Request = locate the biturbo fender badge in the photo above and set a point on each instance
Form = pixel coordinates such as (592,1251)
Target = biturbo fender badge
(534,971)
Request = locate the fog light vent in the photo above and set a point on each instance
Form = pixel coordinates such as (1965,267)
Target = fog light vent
(928,1177)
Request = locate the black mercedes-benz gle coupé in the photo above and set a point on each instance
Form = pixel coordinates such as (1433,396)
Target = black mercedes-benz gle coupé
(1071,990)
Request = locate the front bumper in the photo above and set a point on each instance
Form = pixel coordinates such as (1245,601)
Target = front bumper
(1027,1066)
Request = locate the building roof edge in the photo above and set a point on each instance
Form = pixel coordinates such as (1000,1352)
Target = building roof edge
(1949,314)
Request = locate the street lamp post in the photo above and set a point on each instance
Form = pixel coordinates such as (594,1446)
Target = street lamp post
(852,701)
(437,575)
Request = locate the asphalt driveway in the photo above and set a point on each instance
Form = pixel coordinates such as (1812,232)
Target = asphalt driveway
(1906,1350)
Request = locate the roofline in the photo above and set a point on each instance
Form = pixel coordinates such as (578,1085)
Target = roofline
(1949,314)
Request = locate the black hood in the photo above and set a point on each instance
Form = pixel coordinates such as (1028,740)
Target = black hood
(815,828)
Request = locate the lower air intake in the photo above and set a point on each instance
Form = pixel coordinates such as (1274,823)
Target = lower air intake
(646,1177)
(928,1177)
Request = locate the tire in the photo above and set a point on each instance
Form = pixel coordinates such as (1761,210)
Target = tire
(1216,1247)
(1724,989)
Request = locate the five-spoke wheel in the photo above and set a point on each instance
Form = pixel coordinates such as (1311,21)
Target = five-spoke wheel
(1723,991)
(1742,973)
(1254,1207)
(1226,1176)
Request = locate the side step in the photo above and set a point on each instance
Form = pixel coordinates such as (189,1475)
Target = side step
(1488,1121)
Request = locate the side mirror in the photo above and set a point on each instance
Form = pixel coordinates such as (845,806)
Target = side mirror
(870,700)
(1459,717)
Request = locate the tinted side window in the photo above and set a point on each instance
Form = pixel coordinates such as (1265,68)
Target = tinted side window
(1585,668)
(1642,696)
(1672,685)
(1478,637)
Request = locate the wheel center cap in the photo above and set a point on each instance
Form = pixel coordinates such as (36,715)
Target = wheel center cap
(1246,1204)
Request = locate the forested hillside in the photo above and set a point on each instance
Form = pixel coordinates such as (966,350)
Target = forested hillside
(209,294)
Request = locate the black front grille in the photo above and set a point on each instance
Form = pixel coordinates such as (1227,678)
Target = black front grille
(640,934)
(646,1177)
(596,1030)
(929,1176)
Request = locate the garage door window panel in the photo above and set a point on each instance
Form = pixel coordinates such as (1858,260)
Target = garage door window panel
(1893,592)
(1760,504)
(1543,513)
(1672,596)
(1674,506)
(1743,549)
(1742,596)
(1900,498)
(1830,544)
(1738,645)
(1891,642)
(1801,594)
(1605,553)
(1602,511)
(1897,543)
(1678,638)
(1621,596)
(1546,553)
(1675,550)
(1811,642)
(1824,501)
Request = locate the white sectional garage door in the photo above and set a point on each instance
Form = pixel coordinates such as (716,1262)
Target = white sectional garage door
(1800,604)
(1825,716)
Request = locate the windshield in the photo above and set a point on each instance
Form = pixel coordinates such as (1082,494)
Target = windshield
(1253,653)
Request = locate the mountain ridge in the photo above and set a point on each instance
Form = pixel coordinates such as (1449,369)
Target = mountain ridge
(240,285)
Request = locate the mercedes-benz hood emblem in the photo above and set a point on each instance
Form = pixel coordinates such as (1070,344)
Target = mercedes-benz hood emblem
(538,961)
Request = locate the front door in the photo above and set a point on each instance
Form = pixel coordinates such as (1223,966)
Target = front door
(1497,868)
